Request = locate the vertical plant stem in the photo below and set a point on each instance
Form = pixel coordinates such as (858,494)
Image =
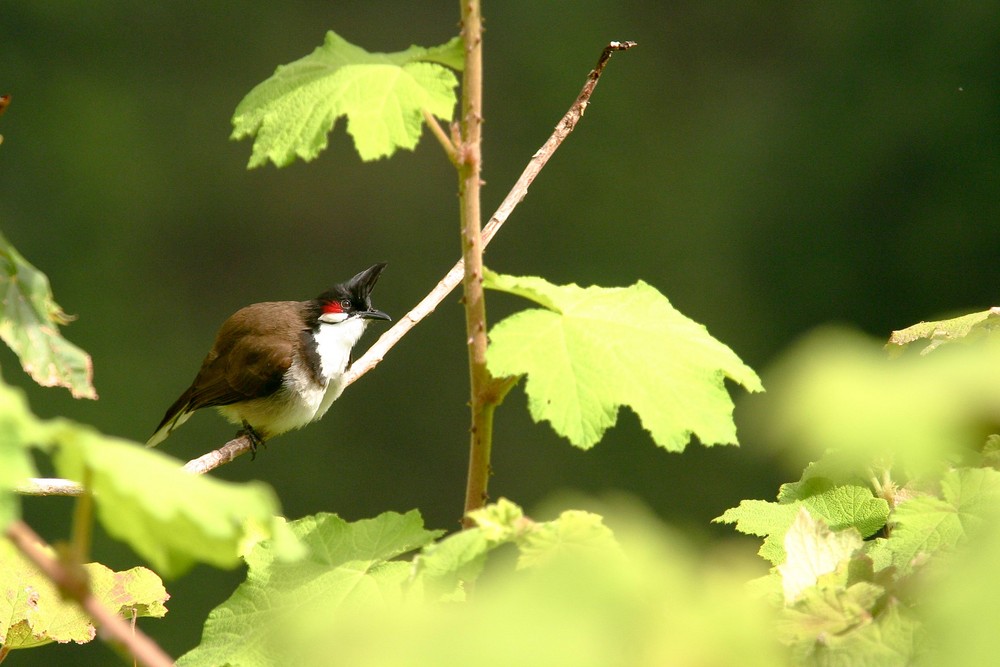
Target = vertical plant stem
(469,168)
(83,523)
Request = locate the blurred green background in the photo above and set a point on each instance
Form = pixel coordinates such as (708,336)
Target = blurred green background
(767,166)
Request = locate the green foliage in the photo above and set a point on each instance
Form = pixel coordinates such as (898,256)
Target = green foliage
(575,595)
(346,565)
(170,517)
(442,567)
(922,501)
(18,430)
(590,350)
(945,331)
(838,390)
(930,523)
(382,95)
(840,505)
(29,323)
(878,553)
(33,613)
(143,497)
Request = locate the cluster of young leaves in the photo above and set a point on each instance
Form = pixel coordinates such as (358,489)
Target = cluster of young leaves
(865,543)
(589,350)
(564,591)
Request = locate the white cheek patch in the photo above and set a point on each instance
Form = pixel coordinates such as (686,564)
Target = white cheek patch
(332,318)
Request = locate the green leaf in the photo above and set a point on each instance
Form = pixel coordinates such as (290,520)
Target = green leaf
(945,331)
(763,519)
(501,521)
(813,550)
(591,350)
(926,525)
(574,534)
(29,324)
(382,95)
(170,517)
(852,636)
(345,563)
(19,429)
(652,601)
(33,613)
(840,506)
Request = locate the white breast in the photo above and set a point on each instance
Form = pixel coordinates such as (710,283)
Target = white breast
(301,399)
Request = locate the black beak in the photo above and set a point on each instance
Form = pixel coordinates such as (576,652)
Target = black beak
(372,314)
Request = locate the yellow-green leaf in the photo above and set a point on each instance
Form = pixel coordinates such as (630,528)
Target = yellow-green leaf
(590,350)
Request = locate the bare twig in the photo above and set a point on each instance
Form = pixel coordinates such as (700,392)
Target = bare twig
(75,586)
(48,486)
(239,445)
(376,353)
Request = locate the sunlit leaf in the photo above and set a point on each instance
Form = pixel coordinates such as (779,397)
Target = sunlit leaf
(591,350)
(937,333)
(33,612)
(929,524)
(19,431)
(172,518)
(645,603)
(346,563)
(29,324)
(840,506)
(838,391)
(383,96)
(812,550)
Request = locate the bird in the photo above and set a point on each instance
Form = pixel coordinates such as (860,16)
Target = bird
(277,366)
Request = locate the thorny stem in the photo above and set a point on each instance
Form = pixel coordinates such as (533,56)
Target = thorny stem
(469,182)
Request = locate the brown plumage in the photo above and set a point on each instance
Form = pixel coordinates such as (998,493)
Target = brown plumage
(278,365)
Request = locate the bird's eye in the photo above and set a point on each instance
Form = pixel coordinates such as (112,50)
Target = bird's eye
(345,304)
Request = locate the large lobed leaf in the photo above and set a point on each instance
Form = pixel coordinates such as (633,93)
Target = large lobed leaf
(29,324)
(345,564)
(172,518)
(143,497)
(381,94)
(927,524)
(33,613)
(590,350)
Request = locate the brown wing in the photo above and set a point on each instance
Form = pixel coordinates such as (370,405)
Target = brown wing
(252,351)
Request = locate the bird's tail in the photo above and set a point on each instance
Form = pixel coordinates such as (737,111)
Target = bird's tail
(178,413)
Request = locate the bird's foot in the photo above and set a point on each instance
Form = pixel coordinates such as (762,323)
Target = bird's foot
(253,436)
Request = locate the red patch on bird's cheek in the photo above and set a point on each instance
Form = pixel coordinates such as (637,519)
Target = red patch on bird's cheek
(332,307)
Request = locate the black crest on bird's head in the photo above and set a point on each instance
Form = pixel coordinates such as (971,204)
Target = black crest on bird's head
(352,297)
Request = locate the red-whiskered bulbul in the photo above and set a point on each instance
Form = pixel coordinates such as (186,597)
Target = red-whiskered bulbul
(279,365)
